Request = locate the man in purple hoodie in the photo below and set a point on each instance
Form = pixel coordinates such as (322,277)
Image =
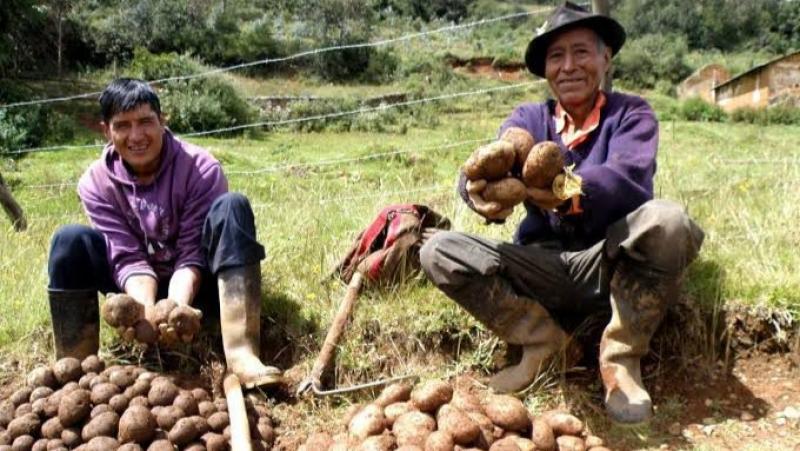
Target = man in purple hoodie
(610,248)
(163,226)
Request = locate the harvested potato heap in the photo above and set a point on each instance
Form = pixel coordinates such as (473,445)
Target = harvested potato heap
(540,166)
(172,322)
(432,417)
(86,406)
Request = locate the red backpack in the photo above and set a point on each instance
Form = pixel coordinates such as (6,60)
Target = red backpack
(388,249)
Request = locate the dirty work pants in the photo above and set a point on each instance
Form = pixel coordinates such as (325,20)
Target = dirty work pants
(658,240)
(78,256)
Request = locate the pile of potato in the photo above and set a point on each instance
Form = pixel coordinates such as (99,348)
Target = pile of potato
(539,165)
(171,322)
(86,406)
(434,417)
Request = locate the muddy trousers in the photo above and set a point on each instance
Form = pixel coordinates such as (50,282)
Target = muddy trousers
(78,267)
(647,251)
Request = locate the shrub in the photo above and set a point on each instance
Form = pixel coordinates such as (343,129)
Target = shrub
(20,126)
(777,115)
(646,60)
(696,109)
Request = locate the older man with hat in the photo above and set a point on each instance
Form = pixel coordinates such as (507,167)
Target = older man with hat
(610,251)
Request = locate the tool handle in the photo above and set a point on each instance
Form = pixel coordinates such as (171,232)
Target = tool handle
(237,413)
(337,327)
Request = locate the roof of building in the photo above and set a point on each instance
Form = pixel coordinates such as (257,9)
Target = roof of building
(756,69)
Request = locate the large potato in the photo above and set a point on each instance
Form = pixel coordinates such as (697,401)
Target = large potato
(185,401)
(161,445)
(507,192)
(570,443)
(184,432)
(490,162)
(103,425)
(71,437)
(92,364)
(102,443)
(27,424)
(413,428)
(216,442)
(486,437)
(6,413)
(466,401)
(458,424)
(121,310)
(40,393)
(507,412)
(162,392)
(42,377)
(522,141)
(74,407)
(394,393)
(439,441)
(185,320)
(23,443)
(393,411)
(542,435)
(20,396)
(102,393)
(368,421)
(563,423)
(543,164)
(428,396)
(136,425)
(217,421)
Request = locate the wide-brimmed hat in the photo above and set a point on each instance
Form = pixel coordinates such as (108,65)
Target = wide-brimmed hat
(568,16)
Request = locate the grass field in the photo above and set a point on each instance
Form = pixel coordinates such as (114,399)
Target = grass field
(740,182)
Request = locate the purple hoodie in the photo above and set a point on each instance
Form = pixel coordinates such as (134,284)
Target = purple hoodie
(154,228)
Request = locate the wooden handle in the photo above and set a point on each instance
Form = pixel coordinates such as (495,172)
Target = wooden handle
(237,412)
(337,327)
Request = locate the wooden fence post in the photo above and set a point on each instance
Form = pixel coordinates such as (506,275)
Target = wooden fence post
(12,208)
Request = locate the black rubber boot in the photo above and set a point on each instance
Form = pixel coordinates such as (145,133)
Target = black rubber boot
(76,322)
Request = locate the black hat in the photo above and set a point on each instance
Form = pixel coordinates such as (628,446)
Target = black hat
(567,16)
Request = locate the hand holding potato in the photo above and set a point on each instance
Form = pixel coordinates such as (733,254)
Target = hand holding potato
(489,210)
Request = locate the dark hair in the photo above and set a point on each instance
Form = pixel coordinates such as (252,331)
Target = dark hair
(125,94)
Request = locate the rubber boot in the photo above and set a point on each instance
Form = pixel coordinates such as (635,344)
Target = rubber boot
(76,322)
(240,318)
(638,304)
(523,321)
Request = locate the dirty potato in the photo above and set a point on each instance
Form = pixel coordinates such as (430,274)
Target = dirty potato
(368,421)
(162,392)
(183,433)
(507,412)
(121,310)
(439,441)
(542,435)
(394,393)
(218,421)
(393,411)
(563,423)
(41,377)
(522,141)
(507,192)
(102,393)
(570,443)
(490,162)
(428,396)
(74,407)
(27,424)
(543,164)
(385,442)
(413,428)
(136,425)
(454,421)
(92,364)
(103,425)
(185,320)
(216,442)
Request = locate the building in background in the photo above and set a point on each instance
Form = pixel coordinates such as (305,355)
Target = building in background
(703,81)
(774,82)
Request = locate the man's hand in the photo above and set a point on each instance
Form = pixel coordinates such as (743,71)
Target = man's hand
(183,285)
(489,210)
(544,198)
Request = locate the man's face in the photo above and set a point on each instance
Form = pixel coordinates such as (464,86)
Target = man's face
(137,136)
(574,66)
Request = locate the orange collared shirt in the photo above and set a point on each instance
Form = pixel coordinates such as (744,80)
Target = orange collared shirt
(573,136)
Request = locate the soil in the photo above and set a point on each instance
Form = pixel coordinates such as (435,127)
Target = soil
(482,68)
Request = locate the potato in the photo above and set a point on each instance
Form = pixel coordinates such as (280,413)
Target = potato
(130,447)
(542,165)
(185,320)
(104,424)
(505,444)
(6,413)
(70,387)
(542,435)
(185,401)
(136,425)
(92,364)
(168,416)
(439,441)
(413,428)
(71,437)
(121,310)
(86,380)
(206,408)
(161,445)
(265,432)
(455,422)
(467,402)
(39,445)
(20,396)
(201,424)
(139,388)
(570,443)
(200,395)
(393,411)
(23,409)
(42,377)
(52,428)
(38,407)
(222,404)
(139,401)
(74,407)
(507,192)
(394,393)
(122,378)
(118,403)
(5,439)
(563,423)
(27,424)
(23,443)
(162,392)
(410,448)
(198,446)
(368,421)
(102,393)
(100,379)
(522,141)
(218,421)
(183,432)
(487,428)
(40,393)
(593,441)
(102,443)
(429,396)
(490,162)
(384,442)
(507,412)
(67,370)
(216,442)
(351,411)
